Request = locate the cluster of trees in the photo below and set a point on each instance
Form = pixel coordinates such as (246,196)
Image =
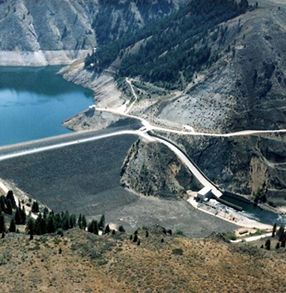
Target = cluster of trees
(176,44)
(260,196)
(95,227)
(50,222)
(8,206)
(47,221)
(280,234)
(111,25)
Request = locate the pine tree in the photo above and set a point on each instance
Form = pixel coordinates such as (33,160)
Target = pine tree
(79,222)
(274,230)
(2,223)
(268,244)
(23,215)
(93,227)
(17,216)
(280,231)
(35,207)
(51,224)
(83,222)
(101,223)
(38,228)
(277,245)
(10,196)
(107,229)
(30,227)
(9,207)
(135,238)
(121,229)
(12,227)
(45,213)
(2,203)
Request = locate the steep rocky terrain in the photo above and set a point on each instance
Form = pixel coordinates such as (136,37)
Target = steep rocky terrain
(242,164)
(152,169)
(52,32)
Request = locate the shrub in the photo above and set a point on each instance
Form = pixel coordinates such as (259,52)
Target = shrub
(121,229)
(178,251)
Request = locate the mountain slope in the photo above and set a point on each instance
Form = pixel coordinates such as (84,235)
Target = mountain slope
(69,28)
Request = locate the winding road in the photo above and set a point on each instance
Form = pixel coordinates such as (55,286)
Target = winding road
(143,132)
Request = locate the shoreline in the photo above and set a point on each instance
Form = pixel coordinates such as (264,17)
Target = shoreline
(40,58)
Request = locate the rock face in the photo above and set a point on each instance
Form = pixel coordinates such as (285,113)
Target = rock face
(61,31)
(242,164)
(153,169)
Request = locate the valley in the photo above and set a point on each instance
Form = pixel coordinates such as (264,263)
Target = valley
(153,157)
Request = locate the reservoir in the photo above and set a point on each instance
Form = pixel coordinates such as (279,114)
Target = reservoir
(35,101)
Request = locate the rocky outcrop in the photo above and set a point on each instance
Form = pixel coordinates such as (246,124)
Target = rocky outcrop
(242,164)
(49,32)
(104,87)
(153,169)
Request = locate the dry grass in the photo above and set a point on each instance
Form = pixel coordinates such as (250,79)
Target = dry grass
(90,263)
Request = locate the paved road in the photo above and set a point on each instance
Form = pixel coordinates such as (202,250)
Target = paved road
(150,126)
(197,173)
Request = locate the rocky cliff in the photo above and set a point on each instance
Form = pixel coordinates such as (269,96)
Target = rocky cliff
(153,169)
(42,32)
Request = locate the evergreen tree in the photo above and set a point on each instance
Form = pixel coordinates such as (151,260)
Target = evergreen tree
(121,229)
(51,224)
(274,230)
(2,203)
(135,238)
(93,227)
(23,215)
(83,222)
(35,207)
(147,233)
(268,244)
(30,227)
(10,196)
(280,232)
(277,245)
(18,216)
(9,207)
(101,223)
(2,223)
(107,229)
(38,227)
(45,213)
(12,227)
(79,222)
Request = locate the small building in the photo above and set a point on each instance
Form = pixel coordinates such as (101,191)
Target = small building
(204,194)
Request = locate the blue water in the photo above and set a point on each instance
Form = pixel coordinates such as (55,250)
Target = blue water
(35,101)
